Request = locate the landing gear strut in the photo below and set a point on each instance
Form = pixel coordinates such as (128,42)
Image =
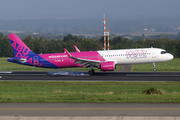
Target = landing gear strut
(154,67)
(91,72)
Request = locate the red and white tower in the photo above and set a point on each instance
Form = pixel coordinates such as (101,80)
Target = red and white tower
(104,32)
(108,38)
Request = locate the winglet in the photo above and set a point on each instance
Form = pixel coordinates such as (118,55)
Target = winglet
(69,55)
(77,50)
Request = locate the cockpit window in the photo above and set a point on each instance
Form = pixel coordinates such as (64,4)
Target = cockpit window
(163,52)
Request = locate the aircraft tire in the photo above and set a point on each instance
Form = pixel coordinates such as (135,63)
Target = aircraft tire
(91,72)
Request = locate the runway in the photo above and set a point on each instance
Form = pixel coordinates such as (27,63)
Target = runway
(89,109)
(72,111)
(98,76)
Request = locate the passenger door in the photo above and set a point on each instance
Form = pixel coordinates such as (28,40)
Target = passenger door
(154,53)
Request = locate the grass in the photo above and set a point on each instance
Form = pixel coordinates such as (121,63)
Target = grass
(8,66)
(173,65)
(51,91)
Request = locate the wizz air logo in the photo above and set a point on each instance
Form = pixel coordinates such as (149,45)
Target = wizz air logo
(23,52)
(136,54)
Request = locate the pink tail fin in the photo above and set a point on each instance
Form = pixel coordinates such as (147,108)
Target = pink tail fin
(18,46)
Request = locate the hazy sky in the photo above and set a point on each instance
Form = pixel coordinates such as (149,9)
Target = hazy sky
(63,9)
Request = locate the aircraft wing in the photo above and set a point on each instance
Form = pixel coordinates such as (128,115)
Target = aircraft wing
(84,62)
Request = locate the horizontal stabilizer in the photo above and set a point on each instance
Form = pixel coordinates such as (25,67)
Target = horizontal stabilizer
(22,60)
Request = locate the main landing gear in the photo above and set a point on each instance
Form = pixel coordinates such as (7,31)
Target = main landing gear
(154,67)
(91,72)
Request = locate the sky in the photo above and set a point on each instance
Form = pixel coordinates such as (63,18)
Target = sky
(88,9)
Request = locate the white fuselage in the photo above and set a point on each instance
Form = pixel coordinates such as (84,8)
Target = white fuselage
(136,56)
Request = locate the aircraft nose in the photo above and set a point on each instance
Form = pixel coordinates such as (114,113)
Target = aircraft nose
(171,56)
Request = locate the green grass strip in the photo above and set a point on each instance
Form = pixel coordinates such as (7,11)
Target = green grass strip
(172,65)
(87,92)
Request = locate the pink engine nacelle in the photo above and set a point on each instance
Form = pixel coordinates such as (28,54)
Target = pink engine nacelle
(108,66)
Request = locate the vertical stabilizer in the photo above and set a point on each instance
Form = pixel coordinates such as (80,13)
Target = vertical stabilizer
(19,48)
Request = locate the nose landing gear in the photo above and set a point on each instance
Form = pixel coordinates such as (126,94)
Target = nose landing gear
(154,67)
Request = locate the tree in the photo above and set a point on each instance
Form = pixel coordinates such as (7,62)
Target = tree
(1,34)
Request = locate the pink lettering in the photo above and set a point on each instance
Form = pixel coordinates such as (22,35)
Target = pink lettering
(136,54)
(36,62)
(25,51)
(19,48)
(40,65)
(13,45)
(30,60)
(18,54)
(24,56)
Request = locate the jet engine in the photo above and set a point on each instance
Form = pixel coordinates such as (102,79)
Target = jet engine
(108,66)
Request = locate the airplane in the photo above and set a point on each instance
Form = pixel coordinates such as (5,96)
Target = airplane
(106,60)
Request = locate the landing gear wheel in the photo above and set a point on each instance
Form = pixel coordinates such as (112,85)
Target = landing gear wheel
(91,72)
(154,67)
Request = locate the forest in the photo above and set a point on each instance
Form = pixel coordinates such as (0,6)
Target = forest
(41,45)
